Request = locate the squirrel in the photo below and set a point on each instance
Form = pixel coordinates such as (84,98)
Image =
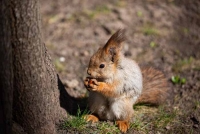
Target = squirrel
(116,83)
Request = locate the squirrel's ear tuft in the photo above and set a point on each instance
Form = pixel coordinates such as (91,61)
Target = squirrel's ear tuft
(114,44)
(117,38)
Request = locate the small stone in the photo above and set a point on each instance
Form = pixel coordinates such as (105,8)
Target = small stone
(126,47)
(85,53)
(72,84)
(62,59)
(167,127)
(195,125)
(76,54)
(124,16)
(63,52)
(98,31)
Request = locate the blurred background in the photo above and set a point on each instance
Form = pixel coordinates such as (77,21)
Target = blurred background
(160,33)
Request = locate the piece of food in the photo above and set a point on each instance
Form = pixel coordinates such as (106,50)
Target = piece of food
(90,81)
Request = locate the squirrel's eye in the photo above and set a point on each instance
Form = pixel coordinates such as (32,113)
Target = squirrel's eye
(102,66)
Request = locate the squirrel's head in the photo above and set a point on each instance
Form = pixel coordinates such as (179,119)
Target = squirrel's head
(104,63)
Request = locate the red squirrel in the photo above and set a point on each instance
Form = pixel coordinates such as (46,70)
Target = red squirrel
(116,83)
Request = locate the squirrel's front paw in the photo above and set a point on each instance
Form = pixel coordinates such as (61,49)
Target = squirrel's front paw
(91,84)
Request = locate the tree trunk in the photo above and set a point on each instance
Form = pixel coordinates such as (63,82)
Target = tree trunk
(31,91)
(36,103)
(6,74)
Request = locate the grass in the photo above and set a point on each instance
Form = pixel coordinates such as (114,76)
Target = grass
(163,118)
(107,128)
(80,125)
(139,13)
(150,30)
(103,9)
(138,124)
(183,64)
(121,3)
(59,66)
(152,44)
(146,119)
(185,30)
(77,122)
(197,105)
(80,16)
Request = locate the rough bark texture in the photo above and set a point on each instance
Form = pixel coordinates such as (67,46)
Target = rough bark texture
(31,91)
(6,74)
(36,105)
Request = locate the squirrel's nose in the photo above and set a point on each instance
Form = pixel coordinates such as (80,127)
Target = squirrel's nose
(89,72)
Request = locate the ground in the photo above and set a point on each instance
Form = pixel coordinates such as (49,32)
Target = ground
(160,33)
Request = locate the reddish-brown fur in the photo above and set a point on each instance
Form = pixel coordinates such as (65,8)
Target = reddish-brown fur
(115,87)
(155,87)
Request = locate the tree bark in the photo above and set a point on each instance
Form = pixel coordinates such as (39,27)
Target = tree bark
(31,91)
(6,73)
(36,104)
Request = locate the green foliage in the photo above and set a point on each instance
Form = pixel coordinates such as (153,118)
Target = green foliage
(178,80)
(183,64)
(185,30)
(139,13)
(152,44)
(107,128)
(150,30)
(148,119)
(163,118)
(81,125)
(77,122)
(121,3)
(139,124)
(59,66)
(103,9)
(197,105)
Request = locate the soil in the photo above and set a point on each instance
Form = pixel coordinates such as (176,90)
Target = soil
(160,33)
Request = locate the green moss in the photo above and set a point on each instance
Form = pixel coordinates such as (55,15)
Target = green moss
(59,66)
(150,30)
(139,13)
(183,64)
(103,9)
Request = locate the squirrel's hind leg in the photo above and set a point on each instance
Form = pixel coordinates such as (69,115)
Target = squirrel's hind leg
(123,111)
(123,126)
(91,118)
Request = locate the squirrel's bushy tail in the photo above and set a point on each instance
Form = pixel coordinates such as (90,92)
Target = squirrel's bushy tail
(155,87)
